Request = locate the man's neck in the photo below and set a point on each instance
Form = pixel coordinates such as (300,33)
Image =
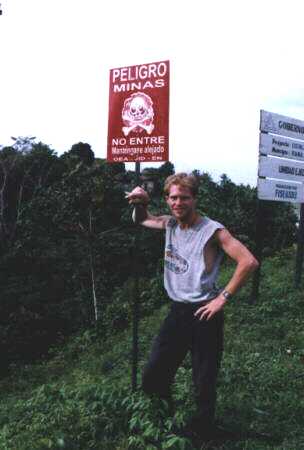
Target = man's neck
(189,222)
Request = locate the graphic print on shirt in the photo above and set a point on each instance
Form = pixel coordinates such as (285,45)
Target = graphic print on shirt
(175,262)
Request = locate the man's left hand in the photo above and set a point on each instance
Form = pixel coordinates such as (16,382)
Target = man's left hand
(209,310)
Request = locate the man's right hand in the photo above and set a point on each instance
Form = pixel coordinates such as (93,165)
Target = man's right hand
(139,199)
(138,196)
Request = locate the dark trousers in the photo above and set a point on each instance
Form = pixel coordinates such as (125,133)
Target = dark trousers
(181,332)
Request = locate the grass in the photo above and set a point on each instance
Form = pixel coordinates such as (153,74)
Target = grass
(81,398)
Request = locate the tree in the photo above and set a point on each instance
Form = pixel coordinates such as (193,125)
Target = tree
(24,169)
(82,152)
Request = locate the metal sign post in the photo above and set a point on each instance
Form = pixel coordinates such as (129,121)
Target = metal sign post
(300,249)
(136,294)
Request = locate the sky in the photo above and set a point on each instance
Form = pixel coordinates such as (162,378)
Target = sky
(228,60)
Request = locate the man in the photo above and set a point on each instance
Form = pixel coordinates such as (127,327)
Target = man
(193,252)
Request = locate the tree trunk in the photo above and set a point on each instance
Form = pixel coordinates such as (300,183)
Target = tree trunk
(92,268)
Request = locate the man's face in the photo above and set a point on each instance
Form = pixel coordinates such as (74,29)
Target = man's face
(181,202)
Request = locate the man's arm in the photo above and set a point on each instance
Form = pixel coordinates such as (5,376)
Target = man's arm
(246,264)
(140,199)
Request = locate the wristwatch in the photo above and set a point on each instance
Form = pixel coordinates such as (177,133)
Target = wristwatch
(226,295)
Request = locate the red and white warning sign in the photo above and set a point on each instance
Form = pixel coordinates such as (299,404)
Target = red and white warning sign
(138,127)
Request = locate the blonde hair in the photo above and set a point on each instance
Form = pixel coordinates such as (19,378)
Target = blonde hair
(183,180)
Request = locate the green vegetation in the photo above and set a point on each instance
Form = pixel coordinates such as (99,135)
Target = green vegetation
(67,289)
(80,399)
(67,242)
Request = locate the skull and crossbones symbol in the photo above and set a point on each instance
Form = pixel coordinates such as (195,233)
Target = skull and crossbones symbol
(137,114)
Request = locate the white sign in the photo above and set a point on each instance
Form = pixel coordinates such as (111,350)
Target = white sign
(281,168)
(282,125)
(281,146)
(282,191)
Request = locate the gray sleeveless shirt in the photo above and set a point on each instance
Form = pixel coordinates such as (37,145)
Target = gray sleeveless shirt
(186,277)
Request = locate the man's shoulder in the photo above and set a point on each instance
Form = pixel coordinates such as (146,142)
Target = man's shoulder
(211,229)
(208,222)
(171,222)
(213,222)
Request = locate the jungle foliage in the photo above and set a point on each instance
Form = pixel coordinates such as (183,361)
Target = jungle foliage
(67,242)
(81,398)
